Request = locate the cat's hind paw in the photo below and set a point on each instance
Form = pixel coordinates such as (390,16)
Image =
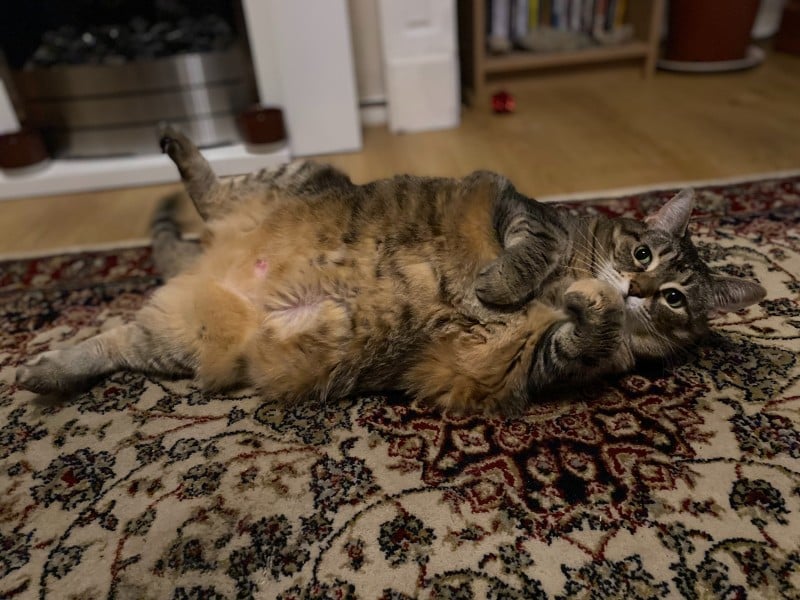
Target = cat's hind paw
(44,374)
(173,143)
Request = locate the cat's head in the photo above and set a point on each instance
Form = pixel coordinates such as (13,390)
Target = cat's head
(670,293)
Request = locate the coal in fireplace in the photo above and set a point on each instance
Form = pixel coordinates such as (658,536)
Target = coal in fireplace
(97,77)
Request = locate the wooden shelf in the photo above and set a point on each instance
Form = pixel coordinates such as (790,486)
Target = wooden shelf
(523,61)
(478,66)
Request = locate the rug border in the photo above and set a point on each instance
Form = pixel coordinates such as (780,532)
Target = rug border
(128,244)
(668,185)
(605,194)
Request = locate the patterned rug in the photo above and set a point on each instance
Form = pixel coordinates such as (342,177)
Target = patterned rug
(683,484)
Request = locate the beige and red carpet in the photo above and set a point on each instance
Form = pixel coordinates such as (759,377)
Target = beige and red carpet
(683,484)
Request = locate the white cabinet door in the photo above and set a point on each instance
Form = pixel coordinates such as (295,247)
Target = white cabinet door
(303,61)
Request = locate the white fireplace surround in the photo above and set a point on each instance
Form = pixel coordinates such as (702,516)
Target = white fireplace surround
(303,63)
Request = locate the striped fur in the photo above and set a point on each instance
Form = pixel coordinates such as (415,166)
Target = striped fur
(463,292)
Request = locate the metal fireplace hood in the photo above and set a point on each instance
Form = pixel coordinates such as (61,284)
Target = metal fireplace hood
(114,110)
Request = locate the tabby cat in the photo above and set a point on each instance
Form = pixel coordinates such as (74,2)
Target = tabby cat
(464,293)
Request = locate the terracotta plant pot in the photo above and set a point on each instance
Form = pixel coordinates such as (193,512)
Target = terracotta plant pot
(261,125)
(710,30)
(22,148)
(788,38)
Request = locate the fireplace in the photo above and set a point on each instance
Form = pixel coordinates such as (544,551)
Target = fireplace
(99,80)
(298,51)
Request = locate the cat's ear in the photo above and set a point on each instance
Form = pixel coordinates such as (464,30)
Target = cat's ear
(729,294)
(674,215)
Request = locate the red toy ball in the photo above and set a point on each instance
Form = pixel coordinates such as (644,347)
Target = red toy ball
(503,102)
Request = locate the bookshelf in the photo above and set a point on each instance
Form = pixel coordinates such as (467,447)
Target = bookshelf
(480,67)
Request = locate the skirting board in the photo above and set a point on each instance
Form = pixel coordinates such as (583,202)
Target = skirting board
(667,185)
(62,176)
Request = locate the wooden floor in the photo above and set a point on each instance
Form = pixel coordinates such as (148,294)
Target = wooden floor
(572,132)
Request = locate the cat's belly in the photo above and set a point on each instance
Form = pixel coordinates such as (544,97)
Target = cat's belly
(297,295)
(341,308)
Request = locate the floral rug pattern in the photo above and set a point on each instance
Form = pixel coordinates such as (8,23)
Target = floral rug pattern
(678,484)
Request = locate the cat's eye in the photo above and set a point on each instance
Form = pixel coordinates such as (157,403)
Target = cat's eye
(643,255)
(674,298)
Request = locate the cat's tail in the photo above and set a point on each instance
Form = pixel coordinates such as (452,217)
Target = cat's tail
(171,253)
(198,177)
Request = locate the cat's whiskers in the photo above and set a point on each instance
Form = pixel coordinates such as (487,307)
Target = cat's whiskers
(601,263)
(610,275)
(584,262)
(592,243)
(581,269)
(579,261)
(602,269)
(585,249)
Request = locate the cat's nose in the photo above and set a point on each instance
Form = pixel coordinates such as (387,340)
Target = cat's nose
(642,287)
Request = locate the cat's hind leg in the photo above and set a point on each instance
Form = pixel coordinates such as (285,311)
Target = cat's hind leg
(214,199)
(193,326)
(129,347)
(162,339)
(483,368)
(171,253)
(197,175)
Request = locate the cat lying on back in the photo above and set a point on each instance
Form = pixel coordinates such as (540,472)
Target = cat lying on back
(464,292)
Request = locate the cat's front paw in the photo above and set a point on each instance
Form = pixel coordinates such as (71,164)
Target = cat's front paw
(496,288)
(597,310)
(594,300)
(597,294)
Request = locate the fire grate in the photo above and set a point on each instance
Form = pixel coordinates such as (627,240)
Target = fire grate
(102,90)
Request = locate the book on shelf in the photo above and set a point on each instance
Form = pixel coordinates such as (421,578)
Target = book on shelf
(510,23)
(575,13)
(600,10)
(587,15)
(560,14)
(519,20)
(533,14)
(545,13)
(499,25)
(619,14)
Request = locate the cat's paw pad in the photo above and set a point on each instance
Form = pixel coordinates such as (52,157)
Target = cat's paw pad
(595,294)
(493,288)
(43,374)
(172,142)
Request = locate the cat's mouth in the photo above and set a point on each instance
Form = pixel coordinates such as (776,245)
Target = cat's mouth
(634,303)
(637,322)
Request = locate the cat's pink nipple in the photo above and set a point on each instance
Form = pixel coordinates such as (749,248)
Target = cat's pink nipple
(261,268)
